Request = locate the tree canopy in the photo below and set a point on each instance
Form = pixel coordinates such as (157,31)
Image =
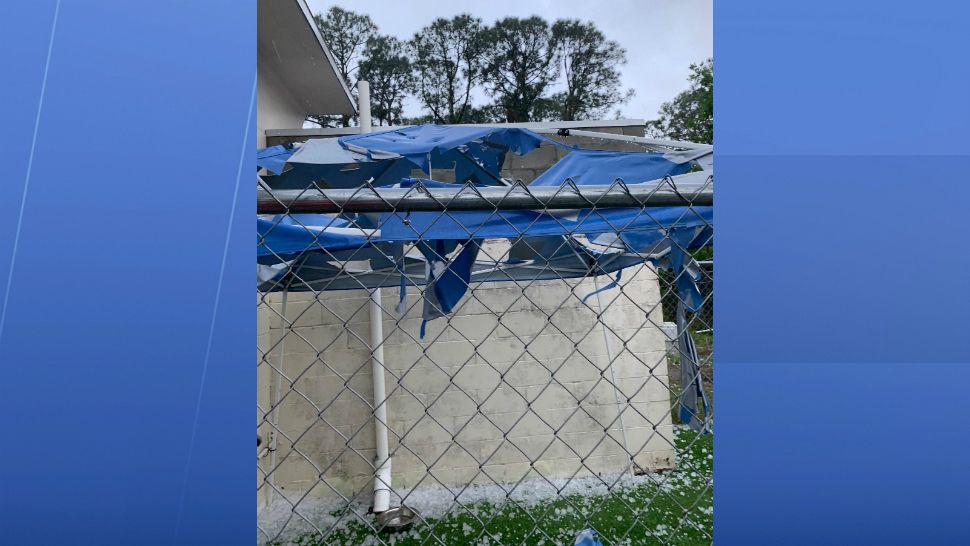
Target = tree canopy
(590,67)
(529,69)
(346,33)
(690,115)
(520,63)
(447,57)
(387,68)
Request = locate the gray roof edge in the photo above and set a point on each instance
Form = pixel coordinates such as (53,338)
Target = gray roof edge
(339,131)
(326,50)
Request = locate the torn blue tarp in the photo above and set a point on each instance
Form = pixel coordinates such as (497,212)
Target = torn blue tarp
(662,235)
(416,143)
(611,285)
(447,274)
(447,278)
(639,229)
(546,244)
(274,158)
(441,251)
(284,236)
(476,155)
(587,537)
(686,272)
(325,163)
(317,268)
(601,168)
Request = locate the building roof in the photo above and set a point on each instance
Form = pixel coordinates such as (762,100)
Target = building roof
(290,45)
(312,132)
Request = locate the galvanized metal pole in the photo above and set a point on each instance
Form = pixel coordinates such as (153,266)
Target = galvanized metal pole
(693,189)
(652,142)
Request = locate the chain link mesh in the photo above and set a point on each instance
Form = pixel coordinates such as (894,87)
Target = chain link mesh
(547,401)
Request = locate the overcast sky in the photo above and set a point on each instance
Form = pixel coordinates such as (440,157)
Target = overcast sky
(662,37)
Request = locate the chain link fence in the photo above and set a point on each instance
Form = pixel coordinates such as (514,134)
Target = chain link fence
(501,365)
(700,323)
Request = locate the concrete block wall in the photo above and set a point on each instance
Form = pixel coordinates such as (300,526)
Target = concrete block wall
(513,377)
(529,166)
(526,168)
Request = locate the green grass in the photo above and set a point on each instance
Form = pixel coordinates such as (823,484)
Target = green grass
(678,511)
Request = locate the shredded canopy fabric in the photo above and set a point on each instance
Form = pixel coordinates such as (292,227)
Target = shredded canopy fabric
(384,158)
(442,251)
(601,168)
(545,244)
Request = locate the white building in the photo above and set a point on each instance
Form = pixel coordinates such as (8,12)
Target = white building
(296,74)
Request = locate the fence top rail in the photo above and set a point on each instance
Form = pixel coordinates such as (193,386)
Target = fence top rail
(419,198)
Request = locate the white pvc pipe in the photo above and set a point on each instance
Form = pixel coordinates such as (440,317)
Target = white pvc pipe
(363,105)
(382,474)
(382,465)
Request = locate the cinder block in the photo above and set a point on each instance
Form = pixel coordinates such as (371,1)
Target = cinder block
(477,379)
(542,158)
(505,473)
(505,406)
(504,453)
(450,352)
(525,373)
(449,404)
(579,367)
(425,433)
(527,423)
(501,350)
(525,175)
(309,340)
(553,396)
(634,130)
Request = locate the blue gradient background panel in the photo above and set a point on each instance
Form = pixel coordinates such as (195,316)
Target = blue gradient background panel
(843,277)
(124,277)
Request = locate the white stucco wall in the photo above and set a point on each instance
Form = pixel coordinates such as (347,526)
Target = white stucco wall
(457,403)
(276,108)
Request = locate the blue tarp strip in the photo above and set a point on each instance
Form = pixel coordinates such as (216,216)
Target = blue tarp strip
(613,284)
(273,159)
(593,167)
(415,143)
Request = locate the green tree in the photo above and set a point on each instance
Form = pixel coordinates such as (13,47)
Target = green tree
(690,116)
(447,57)
(489,113)
(418,120)
(346,34)
(388,70)
(521,65)
(590,67)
